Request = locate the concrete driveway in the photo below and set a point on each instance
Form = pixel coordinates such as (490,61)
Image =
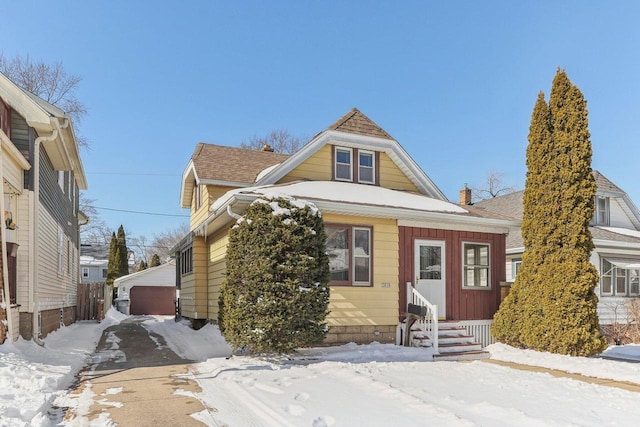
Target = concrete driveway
(135,379)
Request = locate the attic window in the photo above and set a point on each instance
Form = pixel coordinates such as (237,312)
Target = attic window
(602,211)
(355,165)
(344,164)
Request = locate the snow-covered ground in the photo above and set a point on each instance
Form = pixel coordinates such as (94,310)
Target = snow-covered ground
(351,385)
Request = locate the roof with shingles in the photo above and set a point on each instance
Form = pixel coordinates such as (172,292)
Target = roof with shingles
(356,122)
(604,185)
(232,164)
(511,205)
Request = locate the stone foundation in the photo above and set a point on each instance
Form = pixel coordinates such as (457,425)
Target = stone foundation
(339,335)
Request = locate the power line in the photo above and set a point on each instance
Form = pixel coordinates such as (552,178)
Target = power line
(139,212)
(133,174)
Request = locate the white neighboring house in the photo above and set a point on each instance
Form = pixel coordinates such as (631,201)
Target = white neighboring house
(616,235)
(42,176)
(150,291)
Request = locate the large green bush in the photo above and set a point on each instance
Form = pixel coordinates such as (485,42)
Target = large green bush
(552,304)
(275,296)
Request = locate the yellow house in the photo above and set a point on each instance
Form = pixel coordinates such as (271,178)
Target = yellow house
(394,237)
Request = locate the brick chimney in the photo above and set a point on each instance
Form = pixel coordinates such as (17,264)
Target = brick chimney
(465,195)
(267,147)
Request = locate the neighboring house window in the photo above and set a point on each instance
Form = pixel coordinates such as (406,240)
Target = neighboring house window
(85,272)
(515,267)
(366,167)
(617,280)
(476,265)
(60,250)
(197,195)
(61,180)
(349,250)
(602,216)
(104,273)
(344,164)
(186,260)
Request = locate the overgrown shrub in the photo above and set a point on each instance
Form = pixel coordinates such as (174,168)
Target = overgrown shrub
(275,296)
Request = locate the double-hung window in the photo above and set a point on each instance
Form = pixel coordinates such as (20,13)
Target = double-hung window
(349,250)
(355,165)
(344,164)
(602,211)
(366,167)
(619,277)
(476,265)
(186,260)
(85,272)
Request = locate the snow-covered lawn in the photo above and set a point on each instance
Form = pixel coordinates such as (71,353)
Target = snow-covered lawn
(351,385)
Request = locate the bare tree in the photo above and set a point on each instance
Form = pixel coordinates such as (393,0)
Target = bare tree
(492,187)
(49,82)
(280,140)
(96,230)
(159,245)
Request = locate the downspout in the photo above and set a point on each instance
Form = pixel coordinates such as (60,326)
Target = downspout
(232,214)
(5,269)
(34,239)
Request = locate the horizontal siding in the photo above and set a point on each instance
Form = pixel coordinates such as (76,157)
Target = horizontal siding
(24,265)
(13,173)
(392,177)
(217,269)
(315,168)
(617,217)
(193,287)
(370,305)
(54,290)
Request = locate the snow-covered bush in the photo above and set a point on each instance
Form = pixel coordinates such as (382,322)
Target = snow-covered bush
(275,295)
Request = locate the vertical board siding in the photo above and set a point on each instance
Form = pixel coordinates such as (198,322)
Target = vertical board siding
(462,304)
(369,305)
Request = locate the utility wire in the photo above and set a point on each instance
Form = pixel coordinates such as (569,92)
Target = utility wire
(139,212)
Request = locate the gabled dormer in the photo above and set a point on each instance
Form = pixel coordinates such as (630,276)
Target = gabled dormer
(613,207)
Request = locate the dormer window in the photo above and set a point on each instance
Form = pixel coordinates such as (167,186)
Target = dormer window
(355,165)
(602,210)
(366,167)
(344,164)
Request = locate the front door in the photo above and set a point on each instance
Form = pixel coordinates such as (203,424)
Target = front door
(430,273)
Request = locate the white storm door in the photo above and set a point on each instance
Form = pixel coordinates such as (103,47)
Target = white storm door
(430,273)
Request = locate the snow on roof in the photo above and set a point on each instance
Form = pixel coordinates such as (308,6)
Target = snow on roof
(624,231)
(348,193)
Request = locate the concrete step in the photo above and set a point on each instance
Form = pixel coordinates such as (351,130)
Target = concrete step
(462,355)
(452,339)
(459,347)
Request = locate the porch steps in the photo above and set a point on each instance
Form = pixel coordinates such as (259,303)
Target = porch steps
(454,344)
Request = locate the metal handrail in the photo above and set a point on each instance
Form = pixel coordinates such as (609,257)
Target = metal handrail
(429,323)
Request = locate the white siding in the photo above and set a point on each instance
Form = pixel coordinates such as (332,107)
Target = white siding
(617,217)
(24,264)
(54,290)
(13,173)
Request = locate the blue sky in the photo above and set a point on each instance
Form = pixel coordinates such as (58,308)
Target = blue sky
(454,82)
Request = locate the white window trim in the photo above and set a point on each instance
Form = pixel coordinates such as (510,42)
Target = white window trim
(85,272)
(354,256)
(61,180)
(614,276)
(464,276)
(373,166)
(60,251)
(607,211)
(335,165)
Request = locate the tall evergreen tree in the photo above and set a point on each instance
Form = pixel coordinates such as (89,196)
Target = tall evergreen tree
(552,304)
(112,266)
(275,295)
(123,253)
(142,265)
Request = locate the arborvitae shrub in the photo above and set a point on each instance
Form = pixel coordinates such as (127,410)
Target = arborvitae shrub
(275,296)
(552,305)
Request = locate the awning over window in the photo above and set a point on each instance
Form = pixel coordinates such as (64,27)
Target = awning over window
(627,264)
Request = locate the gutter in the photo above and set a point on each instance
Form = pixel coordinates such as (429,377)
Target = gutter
(3,250)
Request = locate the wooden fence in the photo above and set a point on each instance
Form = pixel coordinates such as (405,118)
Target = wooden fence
(93,300)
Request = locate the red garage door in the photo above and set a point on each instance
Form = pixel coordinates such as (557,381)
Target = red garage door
(152,300)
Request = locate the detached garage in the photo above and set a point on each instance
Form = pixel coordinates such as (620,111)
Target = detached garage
(150,291)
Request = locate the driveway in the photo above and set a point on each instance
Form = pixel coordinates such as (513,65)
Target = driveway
(135,379)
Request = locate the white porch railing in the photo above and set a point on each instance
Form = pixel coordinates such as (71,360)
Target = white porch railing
(429,323)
